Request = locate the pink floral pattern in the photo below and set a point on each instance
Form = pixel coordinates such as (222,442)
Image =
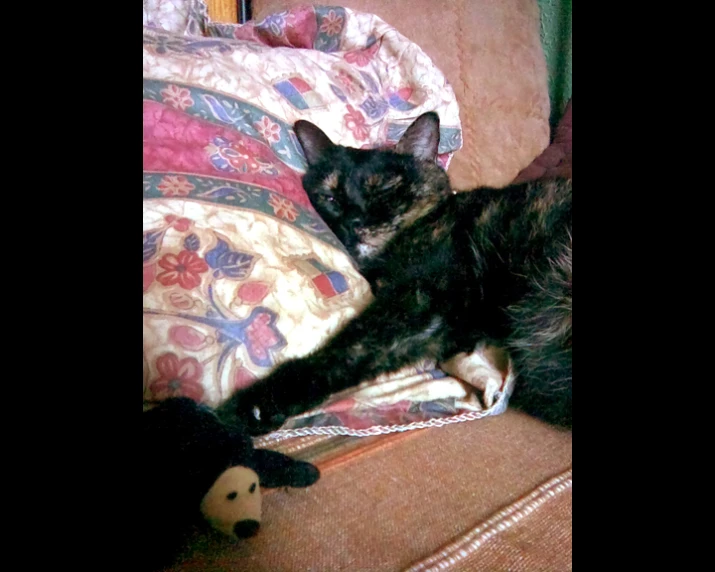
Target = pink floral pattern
(261,336)
(283,208)
(180,300)
(180,224)
(175,186)
(351,85)
(270,131)
(177,97)
(231,157)
(252,292)
(184,269)
(189,338)
(332,24)
(149,274)
(362,57)
(355,121)
(175,141)
(177,378)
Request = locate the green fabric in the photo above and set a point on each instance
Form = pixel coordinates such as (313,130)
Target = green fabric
(556,40)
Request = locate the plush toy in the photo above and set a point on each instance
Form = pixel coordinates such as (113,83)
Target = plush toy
(202,472)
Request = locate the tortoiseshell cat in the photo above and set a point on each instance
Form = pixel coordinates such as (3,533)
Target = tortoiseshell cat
(449,271)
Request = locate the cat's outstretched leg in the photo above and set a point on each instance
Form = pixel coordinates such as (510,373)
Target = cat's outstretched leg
(382,339)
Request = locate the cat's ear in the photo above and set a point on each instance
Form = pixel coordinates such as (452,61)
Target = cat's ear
(314,142)
(421,139)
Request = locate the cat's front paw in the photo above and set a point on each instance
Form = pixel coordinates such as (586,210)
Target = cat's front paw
(255,408)
(265,406)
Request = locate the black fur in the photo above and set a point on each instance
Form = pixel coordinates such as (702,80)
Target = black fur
(449,271)
(186,448)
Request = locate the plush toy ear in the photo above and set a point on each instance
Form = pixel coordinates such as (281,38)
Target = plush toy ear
(278,470)
(314,142)
(421,140)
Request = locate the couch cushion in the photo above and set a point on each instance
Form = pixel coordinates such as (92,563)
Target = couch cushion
(402,502)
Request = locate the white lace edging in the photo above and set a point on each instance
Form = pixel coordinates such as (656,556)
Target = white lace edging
(497,408)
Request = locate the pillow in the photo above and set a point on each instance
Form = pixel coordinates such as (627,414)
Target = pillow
(240,273)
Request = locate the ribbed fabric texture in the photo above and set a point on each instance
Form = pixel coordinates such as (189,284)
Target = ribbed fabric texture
(396,505)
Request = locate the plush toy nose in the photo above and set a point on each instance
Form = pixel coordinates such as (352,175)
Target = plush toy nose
(246,528)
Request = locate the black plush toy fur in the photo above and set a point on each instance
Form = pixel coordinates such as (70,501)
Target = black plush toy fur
(449,271)
(186,448)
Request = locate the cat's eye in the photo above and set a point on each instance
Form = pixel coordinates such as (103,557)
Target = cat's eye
(252,489)
(329,198)
(232,495)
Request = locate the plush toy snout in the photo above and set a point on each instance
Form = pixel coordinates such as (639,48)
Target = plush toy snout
(246,528)
(233,504)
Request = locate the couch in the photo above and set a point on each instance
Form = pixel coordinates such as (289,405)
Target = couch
(492,494)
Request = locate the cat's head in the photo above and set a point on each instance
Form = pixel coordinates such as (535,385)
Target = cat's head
(365,196)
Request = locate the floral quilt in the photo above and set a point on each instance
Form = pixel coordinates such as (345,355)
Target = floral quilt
(239,272)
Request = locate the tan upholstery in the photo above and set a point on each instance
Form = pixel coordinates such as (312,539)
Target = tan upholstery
(400,503)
